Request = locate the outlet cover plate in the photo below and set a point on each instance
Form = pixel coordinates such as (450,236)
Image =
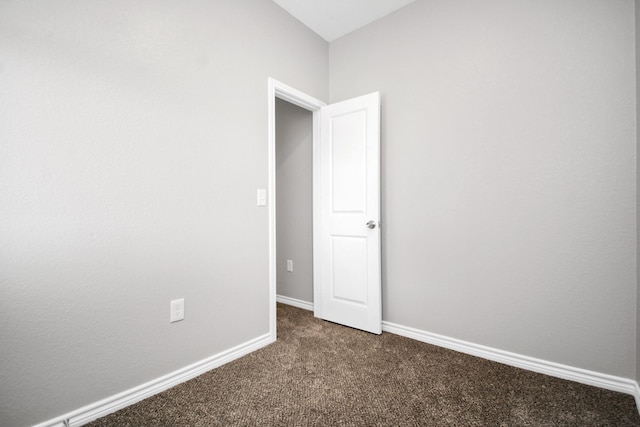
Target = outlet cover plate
(177,310)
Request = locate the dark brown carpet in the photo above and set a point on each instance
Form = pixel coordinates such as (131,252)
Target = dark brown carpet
(322,374)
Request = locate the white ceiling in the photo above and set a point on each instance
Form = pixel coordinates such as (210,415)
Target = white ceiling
(335,18)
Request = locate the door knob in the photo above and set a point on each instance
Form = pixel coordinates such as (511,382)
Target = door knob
(371,225)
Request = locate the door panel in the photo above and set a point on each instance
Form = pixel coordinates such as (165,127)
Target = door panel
(348,256)
(349,279)
(348,141)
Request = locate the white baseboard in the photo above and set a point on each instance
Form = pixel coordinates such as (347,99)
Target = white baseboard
(295,302)
(121,400)
(636,394)
(610,382)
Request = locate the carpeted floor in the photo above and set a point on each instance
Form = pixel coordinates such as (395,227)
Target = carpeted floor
(322,374)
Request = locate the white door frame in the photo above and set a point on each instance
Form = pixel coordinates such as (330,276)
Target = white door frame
(294,96)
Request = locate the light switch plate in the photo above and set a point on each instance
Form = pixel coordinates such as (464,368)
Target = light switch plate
(262,197)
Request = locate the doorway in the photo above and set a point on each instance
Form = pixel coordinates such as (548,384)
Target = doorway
(281,91)
(294,191)
(346,208)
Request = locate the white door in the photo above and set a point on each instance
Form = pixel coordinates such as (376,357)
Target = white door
(347,244)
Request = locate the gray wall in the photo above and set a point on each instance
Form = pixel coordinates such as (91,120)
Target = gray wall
(133,139)
(508,147)
(294,226)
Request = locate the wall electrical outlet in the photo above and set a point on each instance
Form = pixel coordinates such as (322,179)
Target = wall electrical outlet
(177,310)
(290,266)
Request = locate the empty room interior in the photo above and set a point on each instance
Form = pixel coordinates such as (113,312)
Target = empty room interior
(134,137)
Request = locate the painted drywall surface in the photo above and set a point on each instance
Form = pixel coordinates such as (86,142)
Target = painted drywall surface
(133,138)
(294,128)
(508,172)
